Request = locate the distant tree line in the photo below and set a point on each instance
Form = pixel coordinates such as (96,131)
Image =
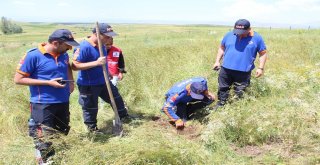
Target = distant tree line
(7,27)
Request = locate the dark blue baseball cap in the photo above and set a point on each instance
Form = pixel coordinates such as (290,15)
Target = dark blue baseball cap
(105,29)
(197,89)
(241,26)
(64,35)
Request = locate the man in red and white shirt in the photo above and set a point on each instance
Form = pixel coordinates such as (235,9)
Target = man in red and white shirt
(116,65)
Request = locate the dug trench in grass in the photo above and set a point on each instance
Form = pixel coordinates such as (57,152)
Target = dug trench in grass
(184,98)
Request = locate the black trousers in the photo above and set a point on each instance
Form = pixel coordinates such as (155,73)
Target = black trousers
(45,121)
(88,99)
(185,110)
(56,116)
(227,78)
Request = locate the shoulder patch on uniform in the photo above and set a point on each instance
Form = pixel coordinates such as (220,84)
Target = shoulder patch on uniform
(116,54)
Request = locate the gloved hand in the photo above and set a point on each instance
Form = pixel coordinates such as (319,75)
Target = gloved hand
(179,124)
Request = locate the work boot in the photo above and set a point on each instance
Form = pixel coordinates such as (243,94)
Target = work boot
(128,118)
(217,106)
(95,130)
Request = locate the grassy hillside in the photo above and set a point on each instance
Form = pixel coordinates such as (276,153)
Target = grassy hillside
(276,123)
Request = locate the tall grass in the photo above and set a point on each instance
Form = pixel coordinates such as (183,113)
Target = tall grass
(276,123)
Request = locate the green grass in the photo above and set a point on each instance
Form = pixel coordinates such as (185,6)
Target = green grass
(276,123)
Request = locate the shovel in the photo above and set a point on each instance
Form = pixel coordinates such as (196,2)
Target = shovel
(117,125)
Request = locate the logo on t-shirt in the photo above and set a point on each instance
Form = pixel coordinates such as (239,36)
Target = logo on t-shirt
(116,54)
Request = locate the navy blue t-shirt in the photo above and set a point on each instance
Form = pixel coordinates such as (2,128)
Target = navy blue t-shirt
(88,52)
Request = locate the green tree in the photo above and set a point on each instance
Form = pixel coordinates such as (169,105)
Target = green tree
(4,25)
(7,27)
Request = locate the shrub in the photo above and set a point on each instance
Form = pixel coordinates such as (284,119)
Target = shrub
(7,27)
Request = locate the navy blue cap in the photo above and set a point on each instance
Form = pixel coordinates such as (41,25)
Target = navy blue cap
(105,29)
(197,89)
(241,26)
(64,35)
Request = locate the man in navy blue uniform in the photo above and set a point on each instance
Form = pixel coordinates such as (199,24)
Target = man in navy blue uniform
(44,69)
(184,97)
(91,82)
(239,49)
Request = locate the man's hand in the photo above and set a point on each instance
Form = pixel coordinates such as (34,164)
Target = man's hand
(101,61)
(54,82)
(259,72)
(211,96)
(120,76)
(216,66)
(71,86)
(179,124)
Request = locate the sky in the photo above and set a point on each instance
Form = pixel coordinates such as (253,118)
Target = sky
(275,13)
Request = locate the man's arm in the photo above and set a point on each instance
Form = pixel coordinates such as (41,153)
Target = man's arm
(168,108)
(24,80)
(171,103)
(262,61)
(218,58)
(121,63)
(87,65)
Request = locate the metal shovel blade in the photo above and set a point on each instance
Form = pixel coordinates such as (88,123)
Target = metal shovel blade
(117,129)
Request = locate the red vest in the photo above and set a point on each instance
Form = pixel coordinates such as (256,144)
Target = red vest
(113,59)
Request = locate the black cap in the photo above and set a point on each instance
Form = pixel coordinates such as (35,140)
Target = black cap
(65,36)
(241,26)
(105,29)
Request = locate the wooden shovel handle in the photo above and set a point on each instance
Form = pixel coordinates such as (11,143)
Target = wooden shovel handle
(106,78)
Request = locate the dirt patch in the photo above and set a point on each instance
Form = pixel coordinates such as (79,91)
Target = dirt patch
(281,149)
(190,131)
(160,121)
(251,151)
(155,118)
